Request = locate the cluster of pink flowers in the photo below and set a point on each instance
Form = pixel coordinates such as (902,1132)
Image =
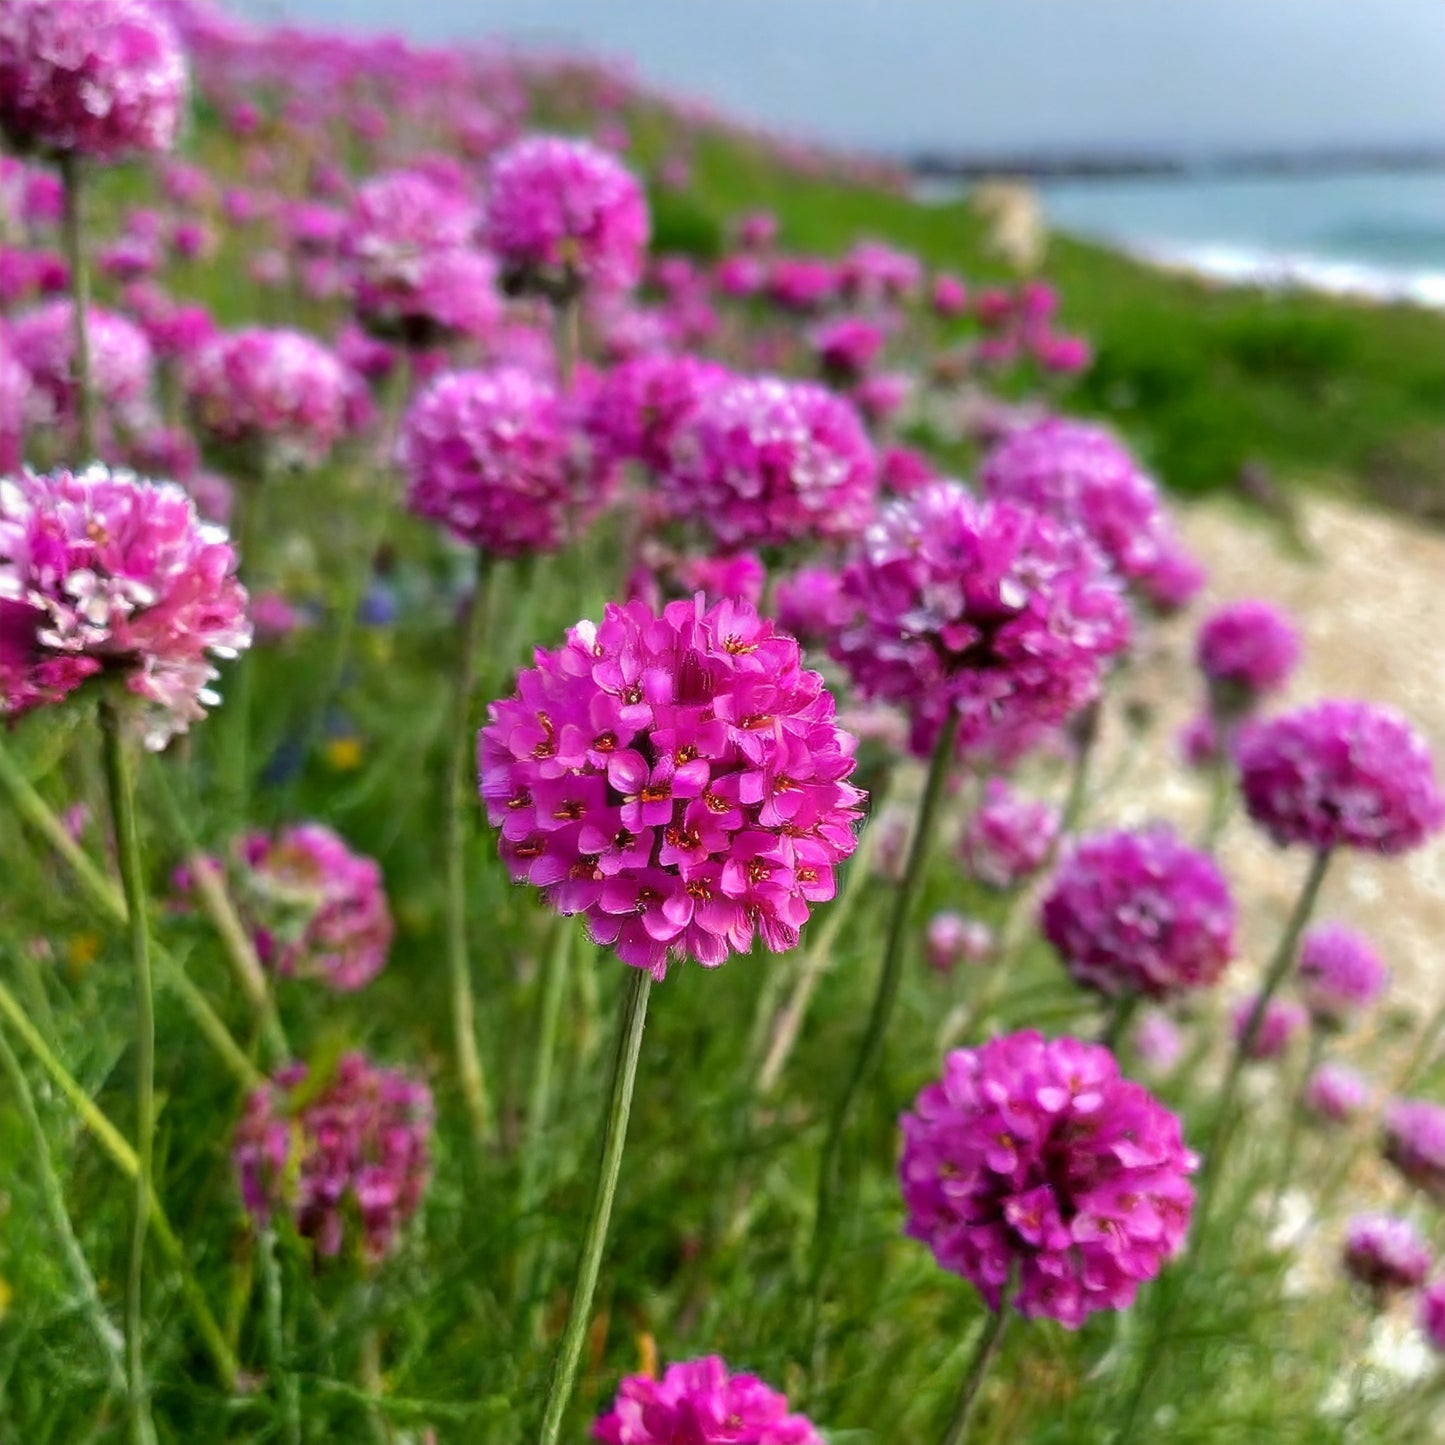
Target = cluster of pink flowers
(316,909)
(1340,974)
(1037,1158)
(703,1403)
(847,347)
(810,604)
(1009,837)
(950,939)
(491,456)
(563,216)
(1432,1314)
(101,78)
(677,779)
(275,391)
(102,574)
(1340,775)
(638,409)
(1385,1253)
(987,608)
(1140,913)
(347,1160)
(765,462)
(1335,1092)
(1279,1024)
(1083,475)
(1246,650)
(14,407)
(1415,1144)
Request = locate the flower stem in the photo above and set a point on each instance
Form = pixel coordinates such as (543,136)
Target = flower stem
(567,339)
(983,1354)
(109,1338)
(1289,1155)
(72,179)
(1086,735)
(458,794)
(614,1136)
(1121,1011)
(121,788)
(273,1313)
(884,998)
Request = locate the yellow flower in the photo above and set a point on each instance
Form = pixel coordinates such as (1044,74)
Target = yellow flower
(343,755)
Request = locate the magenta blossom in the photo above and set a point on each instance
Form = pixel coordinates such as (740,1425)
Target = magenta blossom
(701,1403)
(1385,1253)
(1245,650)
(1340,774)
(1432,1314)
(677,779)
(810,604)
(847,347)
(1415,1143)
(102,574)
(987,608)
(1035,1158)
(1009,837)
(316,909)
(491,456)
(1281,1020)
(279,394)
(950,939)
(765,462)
(346,1158)
(563,216)
(1157,1041)
(98,78)
(1335,1092)
(1340,974)
(638,408)
(14,407)
(1140,913)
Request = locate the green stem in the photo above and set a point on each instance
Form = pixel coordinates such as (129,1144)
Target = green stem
(983,1355)
(121,788)
(1294,1127)
(72,177)
(109,1338)
(614,1136)
(1221,799)
(1121,1011)
(273,1322)
(1086,732)
(886,995)
(459,793)
(567,339)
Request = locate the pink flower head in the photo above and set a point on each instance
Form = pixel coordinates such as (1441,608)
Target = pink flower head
(740,275)
(765,462)
(1245,650)
(1200,745)
(1340,775)
(14,407)
(701,1403)
(879,398)
(802,284)
(317,909)
(1335,1092)
(1415,1143)
(104,574)
(949,939)
(491,456)
(989,608)
(1385,1253)
(810,604)
(1174,578)
(416,273)
(563,216)
(757,231)
(1009,838)
(873,274)
(847,347)
(1062,354)
(639,407)
(120,365)
(347,1159)
(1340,974)
(99,78)
(1432,1314)
(678,779)
(1157,1041)
(739,576)
(1085,477)
(1281,1021)
(1140,913)
(1037,1156)
(950,297)
(279,392)
(902,470)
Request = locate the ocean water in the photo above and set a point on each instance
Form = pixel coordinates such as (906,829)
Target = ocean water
(1379,234)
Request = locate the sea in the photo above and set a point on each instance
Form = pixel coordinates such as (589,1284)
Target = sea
(1376,234)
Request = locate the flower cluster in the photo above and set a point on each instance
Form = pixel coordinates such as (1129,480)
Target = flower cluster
(987,608)
(1335,1092)
(639,407)
(316,909)
(1245,650)
(702,1403)
(14,407)
(949,939)
(104,574)
(1385,1253)
(1432,1314)
(349,1154)
(677,779)
(1009,837)
(276,391)
(764,462)
(1037,1157)
(563,216)
(489,455)
(1340,774)
(1340,974)
(101,78)
(1279,1022)
(1415,1143)
(1140,913)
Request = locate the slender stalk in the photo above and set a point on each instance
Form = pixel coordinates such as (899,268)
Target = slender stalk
(1086,735)
(72,224)
(614,1136)
(567,338)
(1121,1011)
(458,795)
(111,1344)
(983,1355)
(889,978)
(121,788)
(235,723)
(1221,800)
(273,1323)
(1290,1153)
